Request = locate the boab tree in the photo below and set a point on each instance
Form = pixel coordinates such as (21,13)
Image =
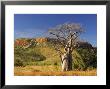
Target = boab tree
(64,39)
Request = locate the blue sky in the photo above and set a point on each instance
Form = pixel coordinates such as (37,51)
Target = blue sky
(36,25)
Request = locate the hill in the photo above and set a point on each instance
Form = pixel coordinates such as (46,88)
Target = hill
(36,51)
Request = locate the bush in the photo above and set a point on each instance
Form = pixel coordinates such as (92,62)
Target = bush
(25,56)
(78,62)
(89,57)
(18,62)
(55,63)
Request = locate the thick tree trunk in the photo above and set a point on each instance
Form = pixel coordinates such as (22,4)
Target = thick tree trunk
(66,62)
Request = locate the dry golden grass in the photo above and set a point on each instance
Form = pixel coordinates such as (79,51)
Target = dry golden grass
(50,71)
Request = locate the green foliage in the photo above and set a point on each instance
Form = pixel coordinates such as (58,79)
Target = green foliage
(89,57)
(78,62)
(26,56)
(18,62)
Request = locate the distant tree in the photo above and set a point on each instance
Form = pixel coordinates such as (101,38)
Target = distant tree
(65,36)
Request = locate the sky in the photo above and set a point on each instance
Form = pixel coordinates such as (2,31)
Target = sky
(37,25)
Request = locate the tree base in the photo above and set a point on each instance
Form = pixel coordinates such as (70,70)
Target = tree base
(67,63)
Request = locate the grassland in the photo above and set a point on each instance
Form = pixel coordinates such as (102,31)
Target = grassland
(50,71)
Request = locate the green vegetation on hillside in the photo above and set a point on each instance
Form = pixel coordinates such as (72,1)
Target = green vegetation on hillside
(44,55)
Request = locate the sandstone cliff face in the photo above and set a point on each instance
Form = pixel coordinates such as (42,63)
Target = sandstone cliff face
(25,42)
(20,42)
(41,40)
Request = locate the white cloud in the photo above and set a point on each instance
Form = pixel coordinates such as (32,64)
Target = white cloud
(29,33)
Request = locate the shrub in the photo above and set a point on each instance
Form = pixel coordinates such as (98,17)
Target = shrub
(89,57)
(26,56)
(55,63)
(78,62)
(18,62)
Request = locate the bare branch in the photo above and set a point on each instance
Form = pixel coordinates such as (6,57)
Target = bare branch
(66,35)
